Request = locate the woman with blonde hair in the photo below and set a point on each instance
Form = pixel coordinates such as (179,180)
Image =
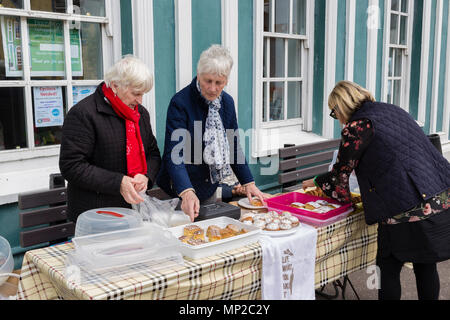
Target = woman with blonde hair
(404,183)
(108,151)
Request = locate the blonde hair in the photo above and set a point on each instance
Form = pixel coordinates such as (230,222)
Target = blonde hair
(347,97)
(215,60)
(130,72)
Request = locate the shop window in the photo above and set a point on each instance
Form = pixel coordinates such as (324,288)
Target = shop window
(61,64)
(15,4)
(12,119)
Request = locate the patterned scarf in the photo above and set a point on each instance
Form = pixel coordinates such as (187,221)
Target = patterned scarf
(217,149)
(136,162)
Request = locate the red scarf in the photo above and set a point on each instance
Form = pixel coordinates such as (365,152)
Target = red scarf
(136,162)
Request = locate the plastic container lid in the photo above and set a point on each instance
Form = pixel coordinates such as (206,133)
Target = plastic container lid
(125,247)
(6,260)
(106,220)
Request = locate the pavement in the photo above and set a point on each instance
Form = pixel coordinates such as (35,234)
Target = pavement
(360,280)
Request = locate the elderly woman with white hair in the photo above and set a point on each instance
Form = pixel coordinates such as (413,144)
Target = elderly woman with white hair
(108,151)
(201,144)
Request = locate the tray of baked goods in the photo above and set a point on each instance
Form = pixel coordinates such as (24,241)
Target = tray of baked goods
(214,236)
(272,223)
(309,208)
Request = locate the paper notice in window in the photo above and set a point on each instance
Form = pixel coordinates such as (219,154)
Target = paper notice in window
(48,107)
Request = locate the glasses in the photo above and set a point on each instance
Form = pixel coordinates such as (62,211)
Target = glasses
(333,113)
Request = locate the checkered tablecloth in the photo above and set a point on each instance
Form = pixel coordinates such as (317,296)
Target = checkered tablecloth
(343,247)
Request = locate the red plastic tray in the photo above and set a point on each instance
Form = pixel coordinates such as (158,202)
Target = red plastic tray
(281,203)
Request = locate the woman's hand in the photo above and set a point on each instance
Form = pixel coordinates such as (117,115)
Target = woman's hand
(190,204)
(308,184)
(141,183)
(128,191)
(253,191)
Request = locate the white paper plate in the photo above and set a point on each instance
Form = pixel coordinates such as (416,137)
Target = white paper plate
(283,233)
(244,203)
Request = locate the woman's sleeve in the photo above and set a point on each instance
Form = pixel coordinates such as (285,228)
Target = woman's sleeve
(77,146)
(356,137)
(176,141)
(153,157)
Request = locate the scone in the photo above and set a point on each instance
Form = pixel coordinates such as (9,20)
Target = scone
(226,233)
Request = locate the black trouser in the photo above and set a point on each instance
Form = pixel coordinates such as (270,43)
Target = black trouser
(427,279)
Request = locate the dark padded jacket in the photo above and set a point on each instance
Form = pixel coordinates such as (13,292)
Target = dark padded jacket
(92,157)
(401,167)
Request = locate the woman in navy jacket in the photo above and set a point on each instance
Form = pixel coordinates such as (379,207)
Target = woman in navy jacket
(202,142)
(404,183)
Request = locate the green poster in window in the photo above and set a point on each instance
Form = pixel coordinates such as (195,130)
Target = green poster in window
(46,40)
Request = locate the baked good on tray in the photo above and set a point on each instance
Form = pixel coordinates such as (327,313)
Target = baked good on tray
(271,221)
(194,235)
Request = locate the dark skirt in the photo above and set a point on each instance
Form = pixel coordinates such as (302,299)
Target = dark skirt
(425,241)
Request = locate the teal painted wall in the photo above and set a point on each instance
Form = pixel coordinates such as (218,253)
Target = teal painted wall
(126,26)
(206,28)
(416,53)
(442,67)
(164,48)
(426,127)
(319,56)
(341,39)
(360,42)
(377,93)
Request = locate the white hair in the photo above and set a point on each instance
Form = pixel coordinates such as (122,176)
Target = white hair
(215,60)
(130,72)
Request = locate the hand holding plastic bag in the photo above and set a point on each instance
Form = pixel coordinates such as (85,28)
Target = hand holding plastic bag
(161,212)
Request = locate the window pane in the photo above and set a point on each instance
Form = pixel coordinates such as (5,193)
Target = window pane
(12,119)
(398,62)
(390,62)
(282,16)
(16,4)
(11,67)
(294,58)
(405,6)
(299,17)
(267,15)
(47,57)
(389,92)
(276,58)
(394,5)
(264,106)
(89,7)
(81,92)
(397,92)
(49,5)
(265,45)
(403,27)
(394,29)
(276,101)
(49,109)
(294,100)
(87,63)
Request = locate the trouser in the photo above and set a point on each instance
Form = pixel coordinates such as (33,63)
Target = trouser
(427,279)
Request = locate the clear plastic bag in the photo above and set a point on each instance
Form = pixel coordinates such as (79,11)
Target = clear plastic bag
(161,212)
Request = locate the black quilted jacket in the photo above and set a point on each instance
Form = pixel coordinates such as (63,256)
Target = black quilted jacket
(92,157)
(400,168)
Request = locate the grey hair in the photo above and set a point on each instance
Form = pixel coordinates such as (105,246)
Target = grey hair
(215,60)
(130,72)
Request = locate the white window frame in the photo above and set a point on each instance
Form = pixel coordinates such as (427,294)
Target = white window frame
(267,137)
(111,48)
(406,56)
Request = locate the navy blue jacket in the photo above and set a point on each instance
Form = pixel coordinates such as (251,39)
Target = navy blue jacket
(182,161)
(401,167)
